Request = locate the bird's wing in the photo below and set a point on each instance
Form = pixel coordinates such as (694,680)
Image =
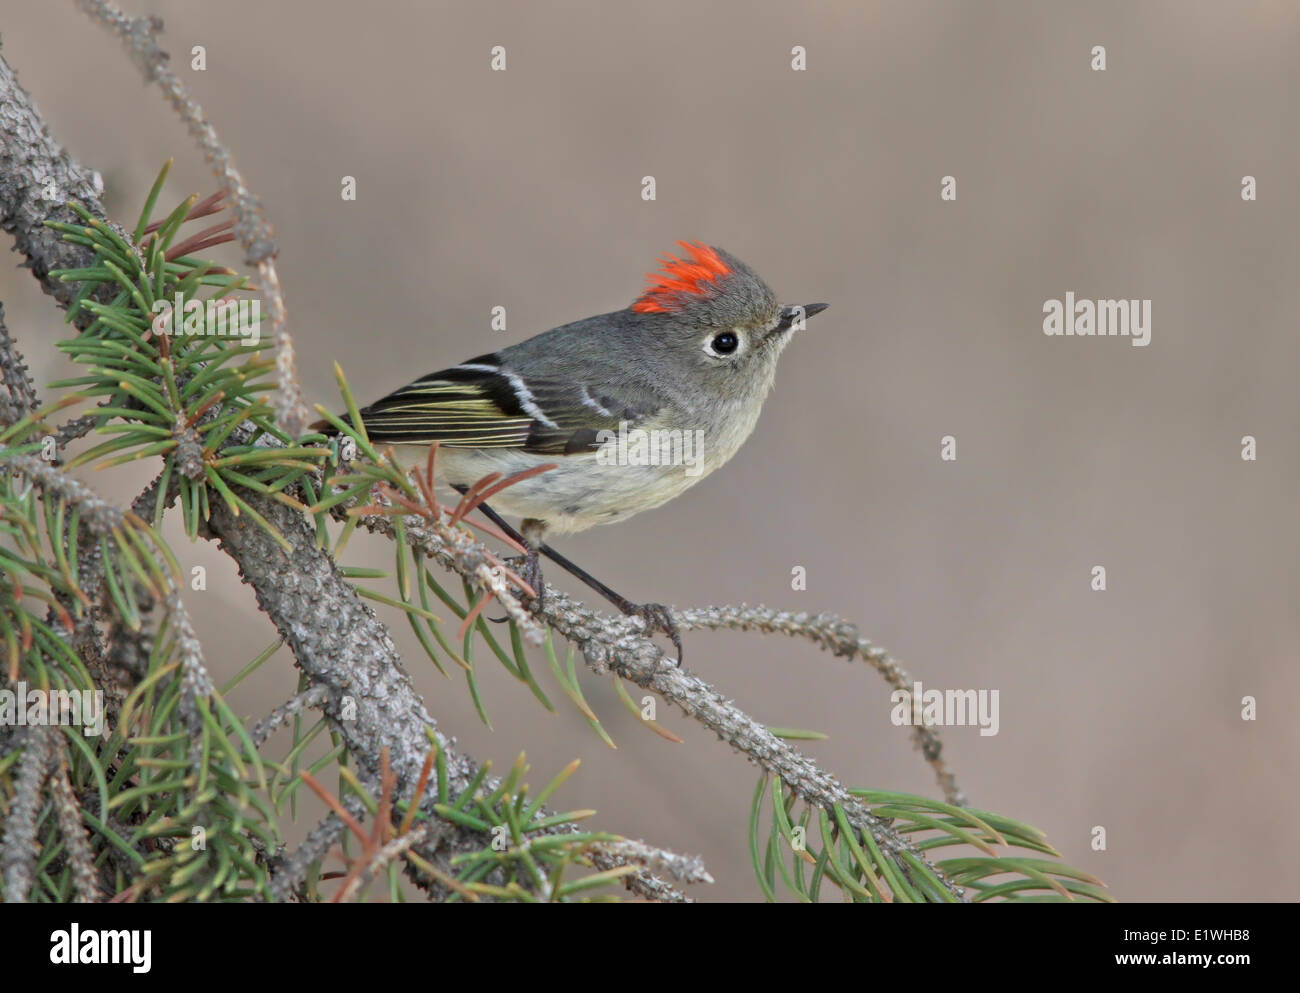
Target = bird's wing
(485,404)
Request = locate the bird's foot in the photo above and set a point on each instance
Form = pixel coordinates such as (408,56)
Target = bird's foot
(657,617)
(531,573)
(529,569)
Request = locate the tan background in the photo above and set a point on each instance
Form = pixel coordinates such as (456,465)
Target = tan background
(521,188)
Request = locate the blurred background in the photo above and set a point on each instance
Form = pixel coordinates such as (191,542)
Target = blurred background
(1119,709)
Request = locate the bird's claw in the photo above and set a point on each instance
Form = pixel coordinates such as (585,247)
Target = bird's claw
(530,571)
(657,617)
(532,575)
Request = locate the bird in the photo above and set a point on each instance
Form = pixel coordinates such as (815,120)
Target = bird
(683,370)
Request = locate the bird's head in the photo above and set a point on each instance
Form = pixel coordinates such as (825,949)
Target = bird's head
(717,316)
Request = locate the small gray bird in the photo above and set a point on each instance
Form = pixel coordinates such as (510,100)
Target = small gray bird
(632,407)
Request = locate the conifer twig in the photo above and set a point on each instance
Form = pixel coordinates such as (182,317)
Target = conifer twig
(17,380)
(81,859)
(254,231)
(841,638)
(19,852)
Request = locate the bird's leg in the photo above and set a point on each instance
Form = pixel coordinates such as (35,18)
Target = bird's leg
(530,536)
(656,616)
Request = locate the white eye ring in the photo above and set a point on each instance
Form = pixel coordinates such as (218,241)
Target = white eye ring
(725,345)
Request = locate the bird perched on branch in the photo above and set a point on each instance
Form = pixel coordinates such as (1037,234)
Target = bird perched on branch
(631,407)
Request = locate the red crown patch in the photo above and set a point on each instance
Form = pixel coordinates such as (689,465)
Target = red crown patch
(679,277)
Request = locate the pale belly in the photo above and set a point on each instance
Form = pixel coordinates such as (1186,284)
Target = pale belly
(585,490)
(579,493)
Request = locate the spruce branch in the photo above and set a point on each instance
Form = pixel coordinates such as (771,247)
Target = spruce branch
(254,231)
(101,518)
(20,850)
(80,856)
(37,181)
(17,380)
(344,648)
(684,868)
(311,698)
(618,644)
(289,873)
(842,639)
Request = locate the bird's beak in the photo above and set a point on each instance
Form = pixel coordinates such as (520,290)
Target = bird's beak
(793,317)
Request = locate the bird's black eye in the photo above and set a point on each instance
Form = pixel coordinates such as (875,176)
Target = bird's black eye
(725,343)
